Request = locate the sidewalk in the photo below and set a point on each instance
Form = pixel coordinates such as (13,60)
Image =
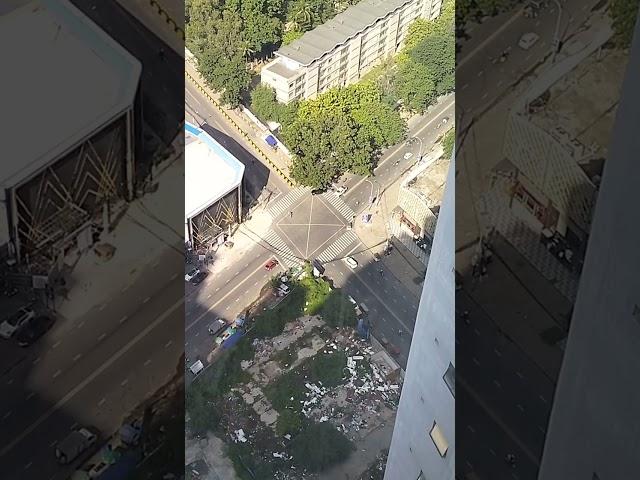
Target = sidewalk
(250,131)
(140,237)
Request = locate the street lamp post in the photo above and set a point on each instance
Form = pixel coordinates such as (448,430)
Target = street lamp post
(556,33)
(413,139)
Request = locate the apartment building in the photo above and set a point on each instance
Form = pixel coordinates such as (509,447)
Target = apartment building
(343,49)
(423,443)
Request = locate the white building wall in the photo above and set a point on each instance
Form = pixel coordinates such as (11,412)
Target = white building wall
(426,398)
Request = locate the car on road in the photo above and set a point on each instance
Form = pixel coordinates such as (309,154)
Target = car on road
(34,329)
(407,155)
(192,273)
(15,322)
(528,40)
(351,262)
(376,257)
(318,191)
(75,444)
(199,278)
(271,264)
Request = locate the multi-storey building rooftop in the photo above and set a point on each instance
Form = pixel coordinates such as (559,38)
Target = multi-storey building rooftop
(340,51)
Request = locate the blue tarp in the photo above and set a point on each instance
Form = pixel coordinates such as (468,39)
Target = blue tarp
(232,340)
(271,140)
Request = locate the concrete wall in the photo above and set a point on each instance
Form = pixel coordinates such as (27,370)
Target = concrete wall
(425,396)
(594,426)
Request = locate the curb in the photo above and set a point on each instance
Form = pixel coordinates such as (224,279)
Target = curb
(258,150)
(163,13)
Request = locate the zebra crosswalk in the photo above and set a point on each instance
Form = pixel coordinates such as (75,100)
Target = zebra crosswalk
(336,202)
(281,204)
(340,245)
(407,240)
(282,250)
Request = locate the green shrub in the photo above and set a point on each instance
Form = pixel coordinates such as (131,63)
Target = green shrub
(288,422)
(320,446)
(338,311)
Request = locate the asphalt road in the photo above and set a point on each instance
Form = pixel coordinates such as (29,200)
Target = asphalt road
(480,81)
(91,371)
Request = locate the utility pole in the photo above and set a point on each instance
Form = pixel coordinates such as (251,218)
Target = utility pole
(556,33)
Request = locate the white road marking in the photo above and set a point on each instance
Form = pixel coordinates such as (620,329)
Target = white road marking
(174,276)
(123,319)
(124,382)
(57,374)
(77,357)
(480,73)
(52,444)
(7,415)
(36,360)
(101,337)
(218,289)
(208,296)
(146,300)
(81,324)
(168,344)
(484,96)
(102,307)
(55,345)
(465,86)
(102,402)
(147,362)
(124,289)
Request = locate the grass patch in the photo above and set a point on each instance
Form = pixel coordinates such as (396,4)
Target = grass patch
(307,297)
(338,311)
(320,446)
(288,422)
(322,368)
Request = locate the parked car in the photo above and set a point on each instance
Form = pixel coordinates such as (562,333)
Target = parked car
(318,191)
(218,326)
(191,274)
(341,190)
(34,329)
(76,443)
(199,278)
(376,257)
(407,155)
(528,40)
(16,321)
(351,262)
(271,264)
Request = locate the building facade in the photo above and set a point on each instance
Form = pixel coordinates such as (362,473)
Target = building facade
(423,443)
(340,51)
(593,430)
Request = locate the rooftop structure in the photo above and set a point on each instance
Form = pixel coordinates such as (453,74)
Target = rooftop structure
(343,49)
(211,174)
(316,43)
(77,78)
(210,171)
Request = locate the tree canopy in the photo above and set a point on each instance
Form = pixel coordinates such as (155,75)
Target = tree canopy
(341,130)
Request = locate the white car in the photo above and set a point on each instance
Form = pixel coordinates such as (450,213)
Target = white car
(16,321)
(340,190)
(191,274)
(528,40)
(351,262)
(407,155)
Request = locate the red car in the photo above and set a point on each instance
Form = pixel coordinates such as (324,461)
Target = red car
(271,264)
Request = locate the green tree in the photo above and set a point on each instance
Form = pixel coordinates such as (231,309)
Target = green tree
(291,36)
(320,446)
(288,422)
(624,14)
(415,86)
(264,103)
(448,142)
(437,53)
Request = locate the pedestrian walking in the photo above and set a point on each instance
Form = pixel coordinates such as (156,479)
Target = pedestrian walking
(510,458)
(382,273)
(161,54)
(290,214)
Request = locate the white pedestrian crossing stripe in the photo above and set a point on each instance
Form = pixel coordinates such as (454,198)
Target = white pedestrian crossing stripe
(407,240)
(336,202)
(280,205)
(339,246)
(281,250)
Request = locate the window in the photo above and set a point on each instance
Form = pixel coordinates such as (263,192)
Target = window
(450,379)
(439,439)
